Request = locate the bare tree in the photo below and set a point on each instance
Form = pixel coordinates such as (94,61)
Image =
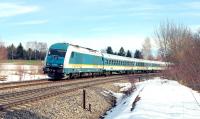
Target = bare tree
(42,48)
(172,39)
(181,47)
(146,49)
(3,51)
(34,47)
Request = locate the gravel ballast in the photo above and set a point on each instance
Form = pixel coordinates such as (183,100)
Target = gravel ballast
(67,106)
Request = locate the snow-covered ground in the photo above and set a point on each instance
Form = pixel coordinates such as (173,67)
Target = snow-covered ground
(159,99)
(11,72)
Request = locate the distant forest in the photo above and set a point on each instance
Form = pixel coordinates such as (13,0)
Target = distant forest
(33,51)
(37,51)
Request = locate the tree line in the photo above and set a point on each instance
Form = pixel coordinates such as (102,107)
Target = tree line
(37,51)
(121,52)
(33,51)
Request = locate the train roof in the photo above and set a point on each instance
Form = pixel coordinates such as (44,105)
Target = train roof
(116,57)
(109,56)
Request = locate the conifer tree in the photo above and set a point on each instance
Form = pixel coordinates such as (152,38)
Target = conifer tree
(128,54)
(121,52)
(109,50)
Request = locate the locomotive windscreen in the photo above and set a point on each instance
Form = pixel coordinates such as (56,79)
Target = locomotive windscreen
(57,52)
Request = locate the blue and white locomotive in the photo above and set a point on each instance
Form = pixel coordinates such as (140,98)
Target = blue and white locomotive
(64,59)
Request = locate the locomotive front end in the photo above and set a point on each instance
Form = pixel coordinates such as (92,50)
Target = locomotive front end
(54,61)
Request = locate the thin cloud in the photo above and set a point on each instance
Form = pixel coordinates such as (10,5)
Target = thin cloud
(192,14)
(33,22)
(98,17)
(192,5)
(101,29)
(12,9)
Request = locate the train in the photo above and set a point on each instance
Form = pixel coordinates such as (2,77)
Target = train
(68,60)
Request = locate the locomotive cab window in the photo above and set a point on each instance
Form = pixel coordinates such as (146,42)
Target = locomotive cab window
(57,52)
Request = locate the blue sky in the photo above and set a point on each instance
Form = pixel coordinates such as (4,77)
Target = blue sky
(92,23)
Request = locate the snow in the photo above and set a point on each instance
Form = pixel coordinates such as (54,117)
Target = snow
(159,99)
(11,72)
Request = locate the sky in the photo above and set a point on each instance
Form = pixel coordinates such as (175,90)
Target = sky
(92,23)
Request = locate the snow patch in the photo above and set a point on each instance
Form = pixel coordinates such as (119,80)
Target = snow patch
(11,72)
(159,99)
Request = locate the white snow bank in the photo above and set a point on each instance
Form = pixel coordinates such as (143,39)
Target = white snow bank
(159,99)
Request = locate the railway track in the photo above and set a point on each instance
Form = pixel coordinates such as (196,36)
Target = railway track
(42,82)
(12,99)
(19,84)
(18,98)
